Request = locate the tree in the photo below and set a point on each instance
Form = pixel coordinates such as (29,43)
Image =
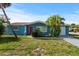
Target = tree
(1,28)
(5,5)
(55,22)
(73,25)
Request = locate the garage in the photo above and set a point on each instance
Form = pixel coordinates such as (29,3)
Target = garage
(64,31)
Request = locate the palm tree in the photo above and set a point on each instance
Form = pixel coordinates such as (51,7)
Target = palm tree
(55,22)
(56,19)
(5,5)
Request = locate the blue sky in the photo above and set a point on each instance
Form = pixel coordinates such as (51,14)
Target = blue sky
(27,12)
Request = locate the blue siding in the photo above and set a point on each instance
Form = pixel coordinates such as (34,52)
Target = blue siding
(23,29)
(41,24)
(67,30)
(20,30)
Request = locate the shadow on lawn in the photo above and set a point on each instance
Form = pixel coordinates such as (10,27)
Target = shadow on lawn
(8,39)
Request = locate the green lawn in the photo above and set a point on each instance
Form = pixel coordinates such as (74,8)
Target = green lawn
(28,46)
(75,35)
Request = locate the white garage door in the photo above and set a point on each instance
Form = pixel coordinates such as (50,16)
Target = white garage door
(63,31)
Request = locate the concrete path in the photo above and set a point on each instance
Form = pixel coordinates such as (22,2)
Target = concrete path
(29,36)
(73,41)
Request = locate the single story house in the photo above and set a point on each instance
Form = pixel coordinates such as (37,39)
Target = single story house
(27,27)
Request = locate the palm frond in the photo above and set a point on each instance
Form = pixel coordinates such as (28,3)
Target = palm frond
(4,5)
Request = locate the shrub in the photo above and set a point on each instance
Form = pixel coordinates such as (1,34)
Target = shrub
(1,28)
(37,33)
(34,34)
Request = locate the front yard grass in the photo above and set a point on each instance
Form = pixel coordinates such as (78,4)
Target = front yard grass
(36,47)
(75,36)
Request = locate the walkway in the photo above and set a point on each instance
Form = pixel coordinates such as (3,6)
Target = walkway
(29,36)
(73,41)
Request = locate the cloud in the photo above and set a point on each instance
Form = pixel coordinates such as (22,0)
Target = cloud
(18,15)
(76,12)
(71,18)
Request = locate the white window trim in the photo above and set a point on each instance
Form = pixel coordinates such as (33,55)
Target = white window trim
(43,28)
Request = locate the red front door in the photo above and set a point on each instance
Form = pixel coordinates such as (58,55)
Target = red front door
(30,30)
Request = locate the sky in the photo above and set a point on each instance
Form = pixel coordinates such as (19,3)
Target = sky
(29,12)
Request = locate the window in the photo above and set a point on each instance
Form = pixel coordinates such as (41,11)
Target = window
(15,28)
(42,28)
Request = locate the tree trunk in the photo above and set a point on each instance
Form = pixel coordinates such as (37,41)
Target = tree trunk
(8,22)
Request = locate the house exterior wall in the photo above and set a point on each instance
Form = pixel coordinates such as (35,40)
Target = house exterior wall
(21,30)
(42,25)
(64,31)
(67,30)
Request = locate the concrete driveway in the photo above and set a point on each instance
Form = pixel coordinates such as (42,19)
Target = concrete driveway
(73,41)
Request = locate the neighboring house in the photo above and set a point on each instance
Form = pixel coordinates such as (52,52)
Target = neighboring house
(27,27)
(74,29)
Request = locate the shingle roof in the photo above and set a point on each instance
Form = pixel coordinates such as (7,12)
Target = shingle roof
(26,23)
(29,23)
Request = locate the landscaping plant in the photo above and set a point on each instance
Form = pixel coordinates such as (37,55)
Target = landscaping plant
(57,32)
(55,22)
(1,28)
(37,33)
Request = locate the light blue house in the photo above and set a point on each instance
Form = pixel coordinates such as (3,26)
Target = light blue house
(27,28)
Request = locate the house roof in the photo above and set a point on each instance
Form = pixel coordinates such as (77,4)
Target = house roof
(20,23)
(27,23)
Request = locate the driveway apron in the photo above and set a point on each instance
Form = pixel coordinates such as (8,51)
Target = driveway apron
(73,41)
